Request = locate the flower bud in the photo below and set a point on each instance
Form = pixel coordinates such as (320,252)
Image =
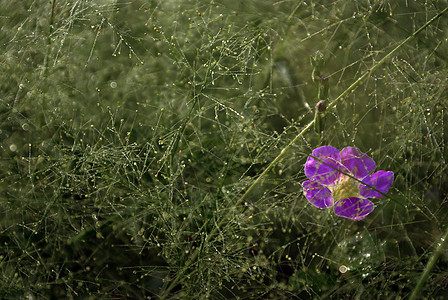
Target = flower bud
(321,106)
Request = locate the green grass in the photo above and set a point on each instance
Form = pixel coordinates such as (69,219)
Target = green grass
(141,148)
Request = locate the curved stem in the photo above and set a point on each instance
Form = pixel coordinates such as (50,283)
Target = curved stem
(432,261)
(50,32)
(384,59)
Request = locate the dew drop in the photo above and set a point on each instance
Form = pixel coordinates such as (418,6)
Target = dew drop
(343,269)
(25,126)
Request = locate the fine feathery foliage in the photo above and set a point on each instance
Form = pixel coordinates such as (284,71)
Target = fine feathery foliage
(156,149)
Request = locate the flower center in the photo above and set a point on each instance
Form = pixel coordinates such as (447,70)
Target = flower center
(345,188)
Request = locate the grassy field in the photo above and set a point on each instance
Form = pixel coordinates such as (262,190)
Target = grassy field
(156,149)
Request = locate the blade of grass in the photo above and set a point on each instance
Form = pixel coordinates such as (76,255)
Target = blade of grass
(50,32)
(432,261)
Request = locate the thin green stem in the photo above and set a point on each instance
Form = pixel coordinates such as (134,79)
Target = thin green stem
(432,261)
(50,32)
(382,61)
(275,161)
(352,87)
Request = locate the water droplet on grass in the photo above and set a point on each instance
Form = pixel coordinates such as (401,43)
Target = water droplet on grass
(343,269)
(25,126)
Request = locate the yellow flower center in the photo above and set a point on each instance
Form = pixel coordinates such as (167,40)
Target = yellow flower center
(345,188)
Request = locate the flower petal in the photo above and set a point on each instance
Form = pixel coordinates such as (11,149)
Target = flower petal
(381,180)
(317,194)
(353,208)
(325,168)
(358,163)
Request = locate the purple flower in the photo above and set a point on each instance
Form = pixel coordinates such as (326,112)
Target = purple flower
(332,182)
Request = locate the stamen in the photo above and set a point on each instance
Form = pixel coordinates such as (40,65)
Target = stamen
(345,188)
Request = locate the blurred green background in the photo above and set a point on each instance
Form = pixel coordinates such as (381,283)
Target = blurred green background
(129,130)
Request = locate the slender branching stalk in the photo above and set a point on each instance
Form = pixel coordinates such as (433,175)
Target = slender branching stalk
(50,33)
(431,263)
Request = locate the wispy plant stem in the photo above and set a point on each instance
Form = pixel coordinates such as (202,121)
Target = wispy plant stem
(432,261)
(383,60)
(50,33)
